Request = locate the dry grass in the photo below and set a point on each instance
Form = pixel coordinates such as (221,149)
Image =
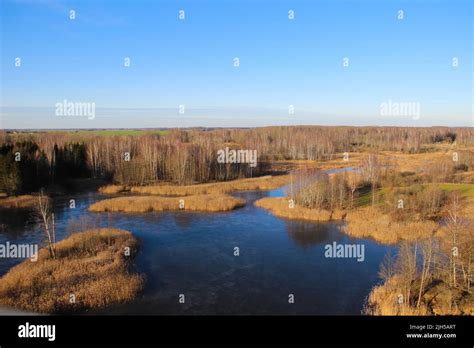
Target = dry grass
(468,209)
(415,162)
(403,161)
(280,207)
(143,204)
(261,183)
(23,201)
(111,189)
(334,163)
(383,300)
(367,222)
(437,300)
(91,265)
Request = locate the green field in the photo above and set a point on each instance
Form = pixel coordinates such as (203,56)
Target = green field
(112,132)
(467,190)
(365,197)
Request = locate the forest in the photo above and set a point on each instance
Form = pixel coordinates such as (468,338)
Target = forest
(32,160)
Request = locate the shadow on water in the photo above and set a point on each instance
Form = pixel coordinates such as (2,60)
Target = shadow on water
(14,222)
(306,235)
(184,221)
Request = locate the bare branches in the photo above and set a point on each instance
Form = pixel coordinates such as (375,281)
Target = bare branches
(46,217)
(370,167)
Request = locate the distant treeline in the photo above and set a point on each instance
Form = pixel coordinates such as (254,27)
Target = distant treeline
(317,142)
(31,161)
(190,156)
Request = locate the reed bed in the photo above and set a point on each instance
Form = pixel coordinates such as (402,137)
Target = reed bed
(92,265)
(144,204)
(280,207)
(368,222)
(261,183)
(18,202)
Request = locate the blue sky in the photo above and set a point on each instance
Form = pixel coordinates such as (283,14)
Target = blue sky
(190,62)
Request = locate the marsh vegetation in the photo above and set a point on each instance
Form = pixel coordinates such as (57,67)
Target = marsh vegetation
(409,187)
(91,269)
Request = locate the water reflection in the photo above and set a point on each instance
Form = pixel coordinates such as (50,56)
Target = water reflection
(14,222)
(306,234)
(183,220)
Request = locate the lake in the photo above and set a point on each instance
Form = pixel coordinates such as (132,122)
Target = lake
(192,253)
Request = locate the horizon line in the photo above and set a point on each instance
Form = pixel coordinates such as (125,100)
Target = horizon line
(206,127)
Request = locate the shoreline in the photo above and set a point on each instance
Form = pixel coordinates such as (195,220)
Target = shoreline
(363,222)
(279,207)
(262,183)
(91,270)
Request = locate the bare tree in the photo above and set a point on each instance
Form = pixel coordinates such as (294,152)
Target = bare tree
(454,222)
(354,182)
(45,216)
(405,266)
(370,167)
(427,253)
(466,251)
(387,267)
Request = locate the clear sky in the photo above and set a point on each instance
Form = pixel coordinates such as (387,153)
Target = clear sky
(190,62)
